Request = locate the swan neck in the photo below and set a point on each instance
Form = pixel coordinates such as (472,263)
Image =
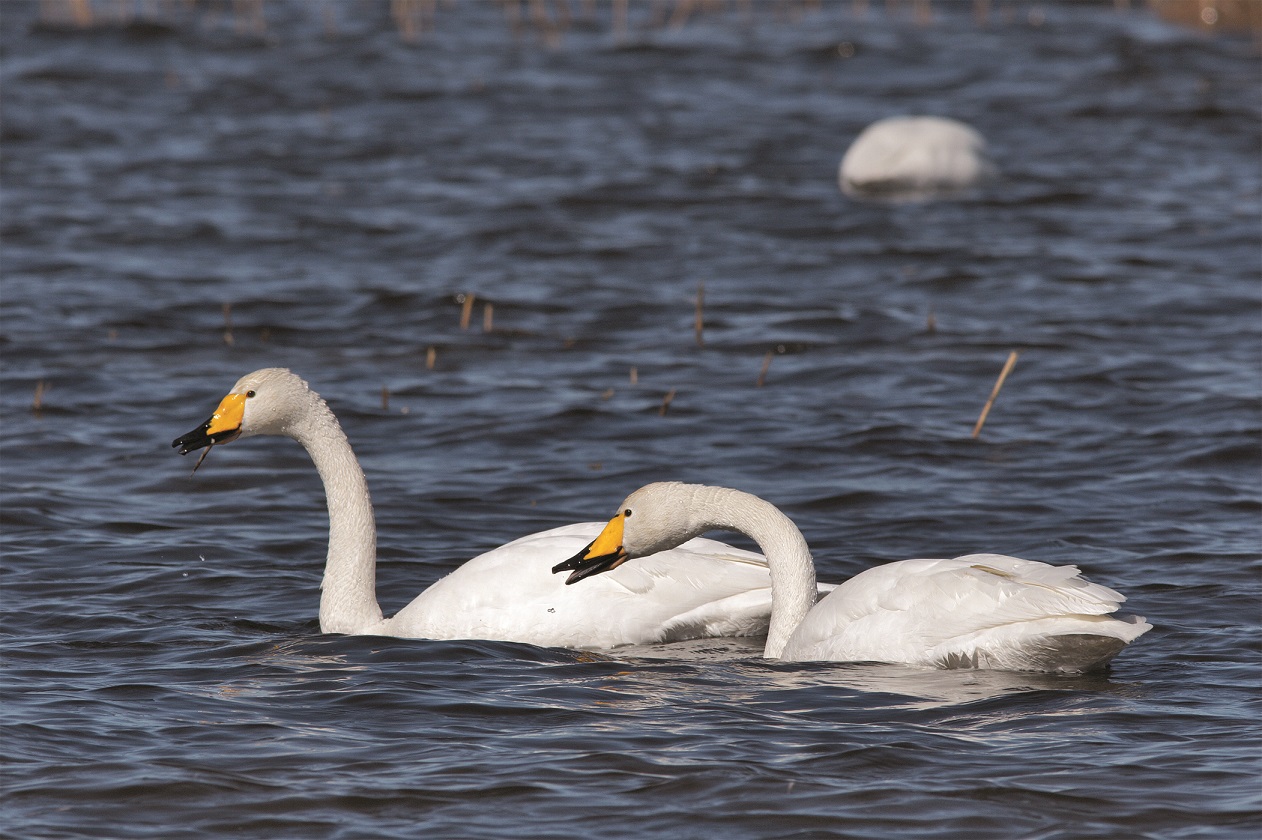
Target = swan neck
(348,598)
(793,589)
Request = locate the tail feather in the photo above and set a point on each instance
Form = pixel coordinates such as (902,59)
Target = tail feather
(1069,644)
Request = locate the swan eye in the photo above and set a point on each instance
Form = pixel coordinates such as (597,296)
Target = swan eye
(626,514)
(249,394)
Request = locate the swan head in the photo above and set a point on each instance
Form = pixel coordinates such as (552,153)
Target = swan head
(654,518)
(261,403)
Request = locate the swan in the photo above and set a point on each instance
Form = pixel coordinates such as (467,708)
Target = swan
(976,611)
(914,157)
(704,588)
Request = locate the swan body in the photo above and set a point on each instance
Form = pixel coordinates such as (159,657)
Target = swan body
(914,157)
(703,588)
(976,611)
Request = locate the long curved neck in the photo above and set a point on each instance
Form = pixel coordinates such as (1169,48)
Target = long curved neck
(348,598)
(793,590)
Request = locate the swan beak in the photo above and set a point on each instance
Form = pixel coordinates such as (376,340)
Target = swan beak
(224,426)
(602,554)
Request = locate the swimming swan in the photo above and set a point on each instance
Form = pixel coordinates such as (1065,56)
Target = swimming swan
(977,611)
(915,158)
(702,589)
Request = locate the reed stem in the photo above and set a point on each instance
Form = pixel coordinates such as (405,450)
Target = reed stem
(666,400)
(994,392)
(766,363)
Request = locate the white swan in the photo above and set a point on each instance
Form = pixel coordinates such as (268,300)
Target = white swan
(704,588)
(914,157)
(977,611)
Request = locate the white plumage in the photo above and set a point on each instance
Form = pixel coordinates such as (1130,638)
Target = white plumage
(703,588)
(977,611)
(914,157)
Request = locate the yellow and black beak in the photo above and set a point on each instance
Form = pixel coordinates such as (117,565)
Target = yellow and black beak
(224,426)
(603,554)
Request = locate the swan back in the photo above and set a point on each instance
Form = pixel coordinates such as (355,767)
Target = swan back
(915,155)
(976,611)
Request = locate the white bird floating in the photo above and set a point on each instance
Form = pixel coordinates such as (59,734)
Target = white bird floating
(911,158)
(702,589)
(977,611)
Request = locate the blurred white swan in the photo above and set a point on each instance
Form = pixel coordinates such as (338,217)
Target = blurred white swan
(977,611)
(704,588)
(914,157)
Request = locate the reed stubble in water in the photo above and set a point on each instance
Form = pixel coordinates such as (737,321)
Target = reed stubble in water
(994,392)
(766,363)
(666,401)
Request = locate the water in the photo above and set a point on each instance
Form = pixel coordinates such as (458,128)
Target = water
(163,669)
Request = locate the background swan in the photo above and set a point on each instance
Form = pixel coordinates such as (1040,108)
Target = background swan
(704,588)
(977,611)
(914,157)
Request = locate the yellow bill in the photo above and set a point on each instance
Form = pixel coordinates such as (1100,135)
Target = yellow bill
(603,554)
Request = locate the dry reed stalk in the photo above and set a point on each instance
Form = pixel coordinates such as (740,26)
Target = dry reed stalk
(205,452)
(766,363)
(606,394)
(488,315)
(931,323)
(666,400)
(81,11)
(415,15)
(994,392)
(620,19)
(635,375)
(403,13)
(385,398)
(513,15)
(248,16)
(466,310)
(550,31)
(37,402)
(683,11)
(698,323)
(329,19)
(431,357)
(227,324)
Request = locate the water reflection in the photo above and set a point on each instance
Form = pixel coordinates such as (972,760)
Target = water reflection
(732,670)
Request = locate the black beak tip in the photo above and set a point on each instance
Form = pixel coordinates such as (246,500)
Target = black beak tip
(574,562)
(567,565)
(591,568)
(580,567)
(199,438)
(192,441)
